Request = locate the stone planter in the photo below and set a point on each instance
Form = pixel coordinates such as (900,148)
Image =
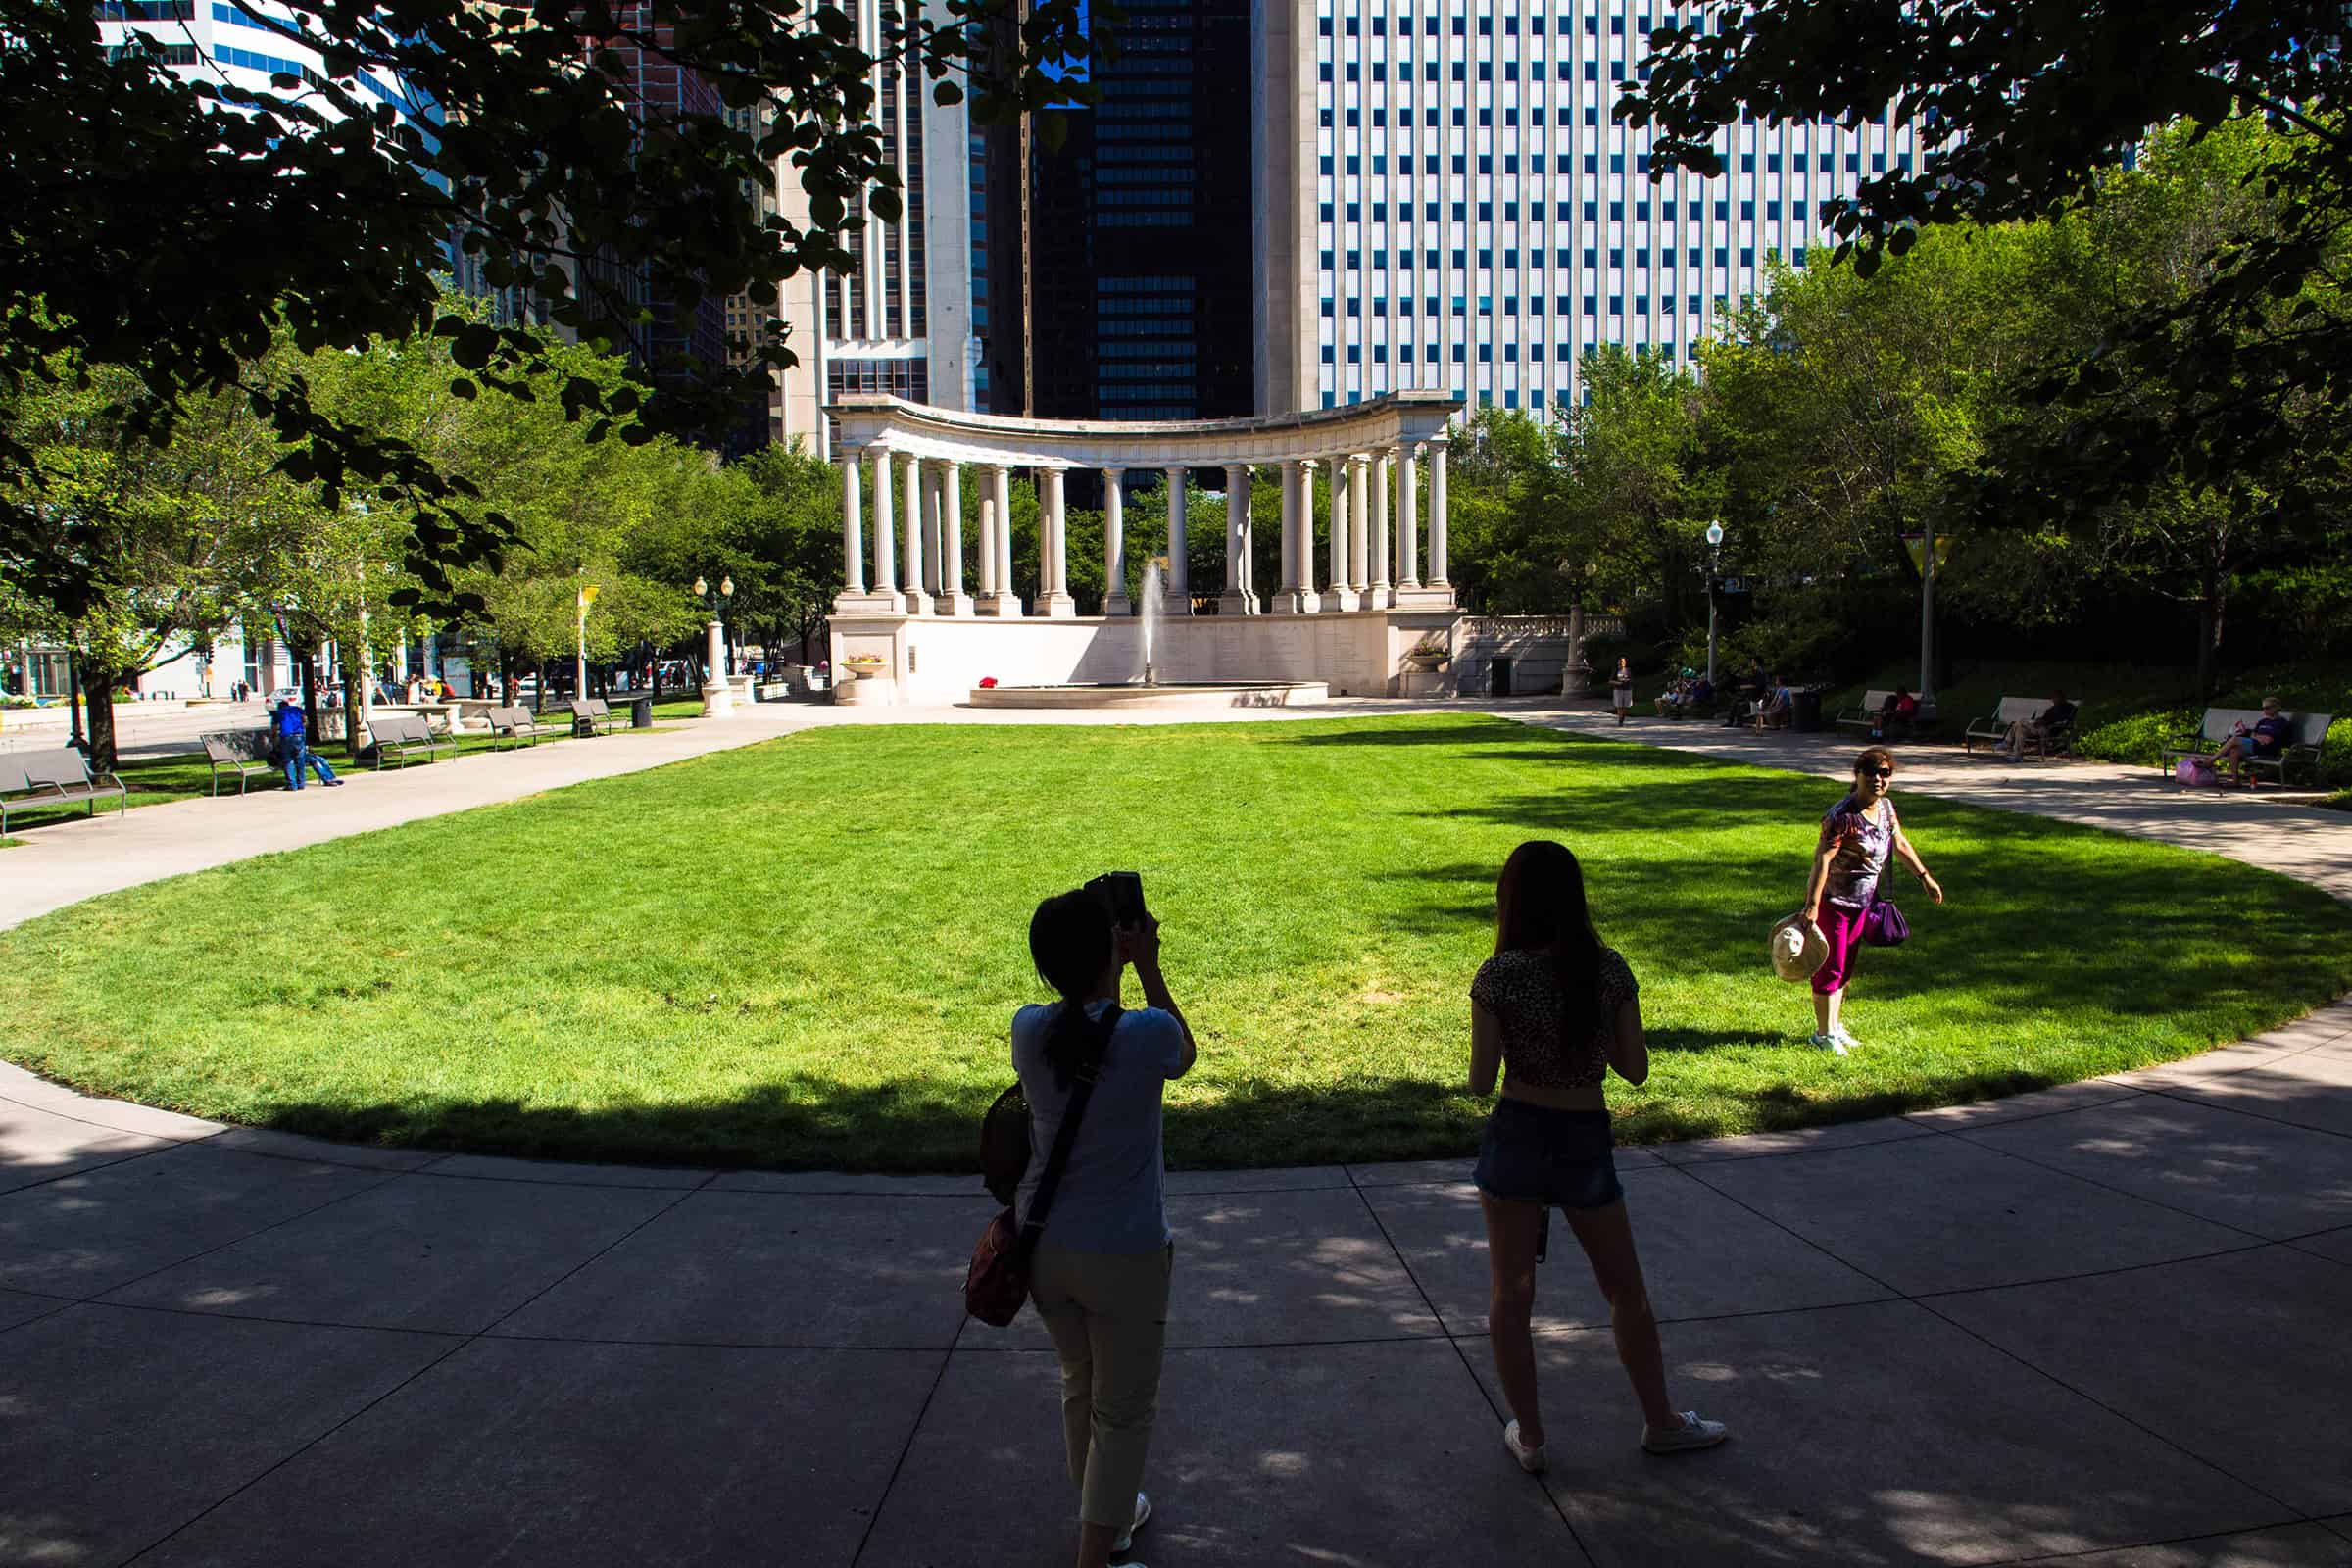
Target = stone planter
(877,670)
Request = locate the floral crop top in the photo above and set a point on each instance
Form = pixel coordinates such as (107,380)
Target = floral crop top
(1522,989)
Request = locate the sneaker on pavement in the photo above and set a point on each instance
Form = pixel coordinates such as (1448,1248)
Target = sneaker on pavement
(1693,1432)
(1126,1537)
(1829,1043)
(1530,1460)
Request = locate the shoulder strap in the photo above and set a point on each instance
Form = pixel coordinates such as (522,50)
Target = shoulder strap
(1066,1137)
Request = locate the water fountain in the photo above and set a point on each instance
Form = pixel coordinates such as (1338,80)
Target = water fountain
(1145,690)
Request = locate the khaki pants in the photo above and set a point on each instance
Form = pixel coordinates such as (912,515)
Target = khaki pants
(1109,1315)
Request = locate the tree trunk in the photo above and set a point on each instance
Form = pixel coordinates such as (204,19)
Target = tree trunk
(306,672)
(98,690)
(2212,608)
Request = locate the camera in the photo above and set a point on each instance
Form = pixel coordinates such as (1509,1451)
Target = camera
(1123,891)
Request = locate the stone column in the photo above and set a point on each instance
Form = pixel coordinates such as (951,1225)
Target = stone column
(1382,476)
(1437,519)
(886,568)
(1304,601)
(952,600)
(1115,544)
(1001,481)
(1054,565)
(718,692)
(1360,532)
(1338,596)
(1408,526)
(919,598)
(988,541)
(1286,591)
(1179,593)
(933,526)
(1237,599)
(853,525)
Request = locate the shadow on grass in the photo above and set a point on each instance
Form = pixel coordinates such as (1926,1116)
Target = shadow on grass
(917,1128)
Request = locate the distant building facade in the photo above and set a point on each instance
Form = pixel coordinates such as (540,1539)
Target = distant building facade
(900,320)
(1444,201)
(1120,287)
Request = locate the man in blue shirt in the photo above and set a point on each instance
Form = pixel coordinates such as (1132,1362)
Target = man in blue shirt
(294,749)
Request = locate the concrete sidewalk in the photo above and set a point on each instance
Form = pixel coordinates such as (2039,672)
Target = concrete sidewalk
(2101,1317)
(2105,1319)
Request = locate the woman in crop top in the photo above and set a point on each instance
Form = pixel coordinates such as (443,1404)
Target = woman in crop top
(1552,1012)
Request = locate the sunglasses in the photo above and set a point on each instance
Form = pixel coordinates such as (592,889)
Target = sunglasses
(1876,772)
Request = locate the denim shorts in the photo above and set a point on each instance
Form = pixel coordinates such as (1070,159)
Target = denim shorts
(1560,1158)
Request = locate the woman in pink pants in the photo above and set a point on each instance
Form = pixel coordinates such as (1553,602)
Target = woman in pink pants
(1857,836)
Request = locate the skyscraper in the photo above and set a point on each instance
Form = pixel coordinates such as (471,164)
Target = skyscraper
(1444,200)
(1121,289)
(901,319)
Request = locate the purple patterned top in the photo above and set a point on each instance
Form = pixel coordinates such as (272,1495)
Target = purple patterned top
(1862,842)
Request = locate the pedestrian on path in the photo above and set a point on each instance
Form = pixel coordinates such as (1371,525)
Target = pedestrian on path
(1620,690)
(1553,1010)
(1857,835)
(1099,1274)
(294,749)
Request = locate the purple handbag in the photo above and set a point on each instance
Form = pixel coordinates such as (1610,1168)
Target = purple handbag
(1883,925)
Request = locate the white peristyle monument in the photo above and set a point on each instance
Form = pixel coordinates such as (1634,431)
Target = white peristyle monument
(929,609)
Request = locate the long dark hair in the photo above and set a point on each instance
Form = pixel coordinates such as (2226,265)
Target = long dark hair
(1540,904)
(1071,942)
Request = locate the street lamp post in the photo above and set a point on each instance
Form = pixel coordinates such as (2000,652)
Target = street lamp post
(719,698)
(1714,571)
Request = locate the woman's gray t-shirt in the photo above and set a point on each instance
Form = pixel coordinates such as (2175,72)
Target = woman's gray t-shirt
(1111,1197)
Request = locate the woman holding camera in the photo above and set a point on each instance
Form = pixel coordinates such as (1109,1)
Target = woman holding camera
(1099,1274)
(1553,1010)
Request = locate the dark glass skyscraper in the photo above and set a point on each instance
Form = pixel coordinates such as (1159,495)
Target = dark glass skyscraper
(1133,296)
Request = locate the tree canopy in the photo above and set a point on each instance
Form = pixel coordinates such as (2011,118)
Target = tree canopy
(2024,109)
(166,227)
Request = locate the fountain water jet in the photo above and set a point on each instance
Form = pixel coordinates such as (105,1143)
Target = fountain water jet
(1149,615)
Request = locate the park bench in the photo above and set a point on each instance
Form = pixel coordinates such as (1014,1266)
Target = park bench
(517,726)
(1866,718)
(37,779)
(2306,743)
(402,736)
(242,752)
(2021,711)
(590,716)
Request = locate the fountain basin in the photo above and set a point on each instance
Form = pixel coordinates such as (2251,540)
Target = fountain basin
(1168,697)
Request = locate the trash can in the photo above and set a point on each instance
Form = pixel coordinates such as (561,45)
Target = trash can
(641,711)
(1804,709)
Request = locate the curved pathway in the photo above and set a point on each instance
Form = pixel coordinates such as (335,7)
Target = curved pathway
(2105,1319)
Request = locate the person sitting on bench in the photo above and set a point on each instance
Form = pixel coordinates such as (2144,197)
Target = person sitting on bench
(2053,721)
(2264,742)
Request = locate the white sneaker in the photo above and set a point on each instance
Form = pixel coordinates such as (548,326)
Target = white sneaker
(1839,1035)
(1693,1432)
(1126,1537)
(1530,1460)
(1829,1043)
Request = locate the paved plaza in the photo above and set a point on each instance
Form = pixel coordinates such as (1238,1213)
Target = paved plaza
(2106,1319)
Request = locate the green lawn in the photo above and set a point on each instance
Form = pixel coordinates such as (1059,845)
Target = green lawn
(804,954)
(182,775)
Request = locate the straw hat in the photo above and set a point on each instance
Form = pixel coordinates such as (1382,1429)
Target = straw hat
(1797,948)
